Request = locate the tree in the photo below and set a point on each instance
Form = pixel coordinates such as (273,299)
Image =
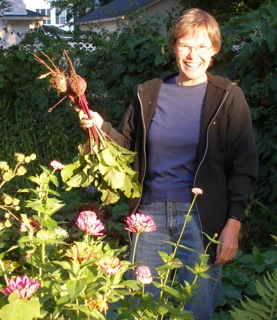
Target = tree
(224,10)
(75,8)
(5,6)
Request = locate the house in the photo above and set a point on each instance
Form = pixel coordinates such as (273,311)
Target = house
(57,18)
(126,12)
(16,22)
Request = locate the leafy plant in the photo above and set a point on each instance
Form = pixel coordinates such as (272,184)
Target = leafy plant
(54,276)
(239,278)
(263,309)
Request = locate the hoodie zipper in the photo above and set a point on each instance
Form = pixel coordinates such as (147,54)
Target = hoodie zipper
(206,149)
(144,146)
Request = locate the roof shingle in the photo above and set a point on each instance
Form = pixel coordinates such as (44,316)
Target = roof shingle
(115,8)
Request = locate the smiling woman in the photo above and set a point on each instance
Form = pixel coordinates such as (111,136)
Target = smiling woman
(191,129)
(193,57)
(194,47)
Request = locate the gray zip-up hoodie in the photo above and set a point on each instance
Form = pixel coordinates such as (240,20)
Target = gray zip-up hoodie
(227,155)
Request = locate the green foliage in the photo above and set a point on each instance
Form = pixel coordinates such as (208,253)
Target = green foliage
(24,112)
(108,169)
(20,309)
(224,10)
(11,205)
(239,278)
(263,309)
(78,278)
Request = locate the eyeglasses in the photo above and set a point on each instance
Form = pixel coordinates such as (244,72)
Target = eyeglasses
(201,49)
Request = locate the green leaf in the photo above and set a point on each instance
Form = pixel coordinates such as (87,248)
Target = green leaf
(20,309)
(75,287)
(68,170)
(54,180)
(107,156)
(50,207)
(20,55)
(173,292)
(271,39)
(158,59)
(113,177)
(109,196)
(230,291)
(63,300)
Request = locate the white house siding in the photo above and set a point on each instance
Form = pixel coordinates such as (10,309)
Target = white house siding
(109,24)
(12,33)
(16,23)
(43,7)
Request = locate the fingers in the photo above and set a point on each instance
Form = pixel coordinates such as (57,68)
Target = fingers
(224,253)
(228,246)
(88,121)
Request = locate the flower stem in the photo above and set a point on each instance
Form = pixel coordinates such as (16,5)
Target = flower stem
(9,212)
(184,226)
(135,247)
(178,241)
(3,269)
(43,261)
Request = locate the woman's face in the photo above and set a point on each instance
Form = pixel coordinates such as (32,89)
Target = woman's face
(193,57)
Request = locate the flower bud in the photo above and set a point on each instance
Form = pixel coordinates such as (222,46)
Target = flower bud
(21,171)
(8,175)
(33,156)
(19,157)
(7,199)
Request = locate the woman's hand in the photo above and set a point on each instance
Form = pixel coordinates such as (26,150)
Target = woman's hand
(229,240)
(96,119)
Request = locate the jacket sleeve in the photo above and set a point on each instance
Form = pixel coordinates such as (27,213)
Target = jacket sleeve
(241,160)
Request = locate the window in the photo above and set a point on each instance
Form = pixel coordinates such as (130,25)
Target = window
(61,16)
(45,12)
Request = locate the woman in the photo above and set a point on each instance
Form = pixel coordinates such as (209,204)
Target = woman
(192,129)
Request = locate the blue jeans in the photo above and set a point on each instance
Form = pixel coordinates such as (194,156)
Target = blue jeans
(169,224)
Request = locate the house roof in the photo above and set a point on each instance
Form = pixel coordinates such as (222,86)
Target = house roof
(115,9)
(31,15)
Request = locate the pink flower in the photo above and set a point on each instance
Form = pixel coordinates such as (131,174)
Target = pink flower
(87,221)
(197,191)
(56,165)
(143,275)
(140,223)
(23,286)
(110,265)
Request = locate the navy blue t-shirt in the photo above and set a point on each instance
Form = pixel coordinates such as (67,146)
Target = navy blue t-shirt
(172,142)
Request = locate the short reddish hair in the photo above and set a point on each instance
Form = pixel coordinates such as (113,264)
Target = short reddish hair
(191,22)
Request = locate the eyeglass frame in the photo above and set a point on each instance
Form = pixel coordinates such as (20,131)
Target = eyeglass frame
(183,47)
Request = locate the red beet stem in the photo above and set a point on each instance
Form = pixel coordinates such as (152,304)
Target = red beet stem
(84,106)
